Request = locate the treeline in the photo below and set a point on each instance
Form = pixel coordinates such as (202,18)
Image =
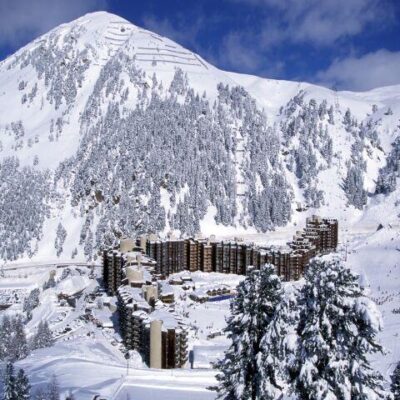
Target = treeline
(387,180)
(304,129)
(59,64)
(172,156)
(14,344)
(181,144)
(24,198)
(16,386)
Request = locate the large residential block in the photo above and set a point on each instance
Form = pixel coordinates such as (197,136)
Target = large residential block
(136,274)
(234,257)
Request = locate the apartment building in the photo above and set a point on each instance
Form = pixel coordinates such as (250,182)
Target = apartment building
(326,228)
(159,336)
(135,274)
(174,255)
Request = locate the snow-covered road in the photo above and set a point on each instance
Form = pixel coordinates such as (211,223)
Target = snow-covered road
(168,385)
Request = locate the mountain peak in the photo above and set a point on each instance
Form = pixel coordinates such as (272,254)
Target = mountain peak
(101,17)
(151,51)
(99,100)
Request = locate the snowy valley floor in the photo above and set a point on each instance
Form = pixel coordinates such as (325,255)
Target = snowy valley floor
(87,359)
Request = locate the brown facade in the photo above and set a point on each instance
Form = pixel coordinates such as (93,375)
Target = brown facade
(206,257)
(327,230)
(170,255)
(135,324)
(318,237)
(169,349)
(112,271)
(174,348)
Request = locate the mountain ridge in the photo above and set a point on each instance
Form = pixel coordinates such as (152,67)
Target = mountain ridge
(83,100)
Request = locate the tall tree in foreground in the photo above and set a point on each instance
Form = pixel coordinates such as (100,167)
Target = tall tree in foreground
(278,347)
(337,331)
(252,310)
(15,387)
(395,386)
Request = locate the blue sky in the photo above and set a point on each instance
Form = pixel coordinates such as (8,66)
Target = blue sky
(350,44)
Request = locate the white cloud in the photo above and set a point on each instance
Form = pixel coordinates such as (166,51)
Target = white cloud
(23,20)
(319,22)
(380,68)
(236,53)
(182,31)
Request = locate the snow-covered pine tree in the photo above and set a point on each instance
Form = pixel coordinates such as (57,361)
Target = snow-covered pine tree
(13,344)
(395,385)
(9,387)
(337,331)
(354,186)
(31,302)
(331,119)
(40,394)
(387,179)
(61,235)
(20,210)
(5,337)
(253,308)
(70,396)
(43,337)
(50,283)
(278,346)
(19,344)
(53,389)
(22,385)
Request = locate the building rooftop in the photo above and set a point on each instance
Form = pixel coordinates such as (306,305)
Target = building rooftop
(170,321)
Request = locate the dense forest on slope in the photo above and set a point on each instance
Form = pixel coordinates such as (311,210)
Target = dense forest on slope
(95,137)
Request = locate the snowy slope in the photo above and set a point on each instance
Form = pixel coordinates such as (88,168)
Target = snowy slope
(56,94)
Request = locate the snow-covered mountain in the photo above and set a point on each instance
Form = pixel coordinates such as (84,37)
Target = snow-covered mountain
(107,129)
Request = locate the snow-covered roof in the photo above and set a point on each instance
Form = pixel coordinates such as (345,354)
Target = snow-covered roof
(169,321)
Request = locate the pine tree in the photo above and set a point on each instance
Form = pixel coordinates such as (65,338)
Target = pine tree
(354,186)
(13,343)
(50,283)
(40,394)
(43,337)
(19,344)
(395,385)
(61,235)
(9,386)
(53,389)
(6,333)
(278,354)
(70,396)
(337,331)
(31,302)
(2,340)
(251,311)
(23,386)
(331,119)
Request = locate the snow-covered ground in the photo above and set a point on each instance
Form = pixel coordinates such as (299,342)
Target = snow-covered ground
(376,257)
(86,350)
